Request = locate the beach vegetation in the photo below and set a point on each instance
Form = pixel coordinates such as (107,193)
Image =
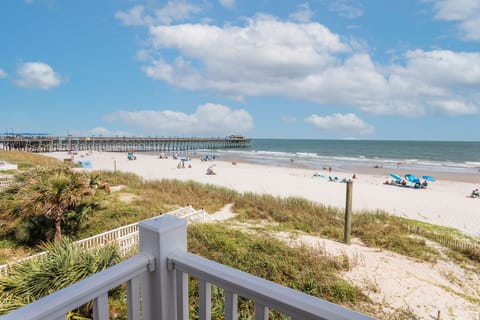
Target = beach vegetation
(149,199)
(302,268)
(27,160)
(45,202)
(65,264)
(387,232)
(291,214)
(11,249)
(378,230)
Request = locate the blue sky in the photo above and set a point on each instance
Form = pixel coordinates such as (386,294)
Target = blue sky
(320,69)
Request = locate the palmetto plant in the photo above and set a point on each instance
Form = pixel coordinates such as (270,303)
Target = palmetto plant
(65,263)
(48,196)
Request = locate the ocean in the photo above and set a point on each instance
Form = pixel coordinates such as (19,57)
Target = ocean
(443,156)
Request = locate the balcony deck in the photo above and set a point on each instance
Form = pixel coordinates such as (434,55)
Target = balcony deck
(157,285)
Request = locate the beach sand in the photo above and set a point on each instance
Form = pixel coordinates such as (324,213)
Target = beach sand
(445,202)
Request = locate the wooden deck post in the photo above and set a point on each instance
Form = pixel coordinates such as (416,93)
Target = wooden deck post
(348,213)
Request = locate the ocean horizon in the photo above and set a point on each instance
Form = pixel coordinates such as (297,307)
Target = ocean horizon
(442,156)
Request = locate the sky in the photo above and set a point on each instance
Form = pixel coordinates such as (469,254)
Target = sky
(319,69)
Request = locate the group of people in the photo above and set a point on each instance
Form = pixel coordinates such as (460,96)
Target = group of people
(181,165)
(403,183)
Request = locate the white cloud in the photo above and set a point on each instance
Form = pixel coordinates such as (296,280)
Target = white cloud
(346,9)
(227,3)
(306,61)
(133,17)
(269,57)
(37,75)
(465,12)
(3,74)
(303,13)
(342,123)
(250,60)
(208,120)
(174,10)
(142,55)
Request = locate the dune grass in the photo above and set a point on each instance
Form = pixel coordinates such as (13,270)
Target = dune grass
(375,229)
(378,230)
(26,160)
(151,198)
(304,269)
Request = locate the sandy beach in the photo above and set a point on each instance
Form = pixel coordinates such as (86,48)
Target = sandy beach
(445,202)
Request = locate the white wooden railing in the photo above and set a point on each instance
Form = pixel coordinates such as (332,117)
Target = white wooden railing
(4,184)
(126,237)
(161,270)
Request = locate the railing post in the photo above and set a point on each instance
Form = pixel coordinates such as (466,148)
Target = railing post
(161,237)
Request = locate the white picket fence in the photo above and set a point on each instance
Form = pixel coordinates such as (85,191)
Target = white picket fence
(4,184)
(126,236)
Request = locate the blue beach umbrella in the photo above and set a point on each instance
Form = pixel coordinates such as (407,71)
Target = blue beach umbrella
(396,176)
(412,178)
(429,178)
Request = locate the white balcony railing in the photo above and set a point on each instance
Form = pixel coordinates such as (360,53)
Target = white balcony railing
(161,270)
(126,236)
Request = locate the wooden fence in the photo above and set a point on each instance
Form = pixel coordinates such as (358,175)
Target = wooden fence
(447,241)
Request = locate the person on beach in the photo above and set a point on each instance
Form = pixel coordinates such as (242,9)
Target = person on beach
(475,193)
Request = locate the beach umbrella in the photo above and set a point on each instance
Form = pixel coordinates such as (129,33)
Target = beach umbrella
(429,178)
(412,178)
(396,176)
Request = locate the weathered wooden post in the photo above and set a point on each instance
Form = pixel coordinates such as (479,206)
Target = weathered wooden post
(348,212)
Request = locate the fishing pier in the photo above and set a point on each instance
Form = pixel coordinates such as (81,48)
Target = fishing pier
(118,144)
